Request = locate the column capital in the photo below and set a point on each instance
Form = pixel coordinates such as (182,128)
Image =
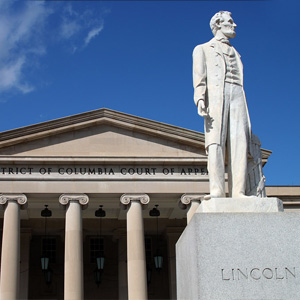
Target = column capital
(20,198)
(186,199)
(65,199)
(127,198)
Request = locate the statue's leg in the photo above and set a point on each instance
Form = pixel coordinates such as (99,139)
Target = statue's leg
(216,171)
(237,141)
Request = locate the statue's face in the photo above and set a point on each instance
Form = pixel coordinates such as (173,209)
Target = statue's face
(227,26)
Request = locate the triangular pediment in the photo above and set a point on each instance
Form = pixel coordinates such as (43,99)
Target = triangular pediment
(102,133)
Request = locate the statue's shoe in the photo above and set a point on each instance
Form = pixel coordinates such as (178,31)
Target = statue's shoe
(208,197)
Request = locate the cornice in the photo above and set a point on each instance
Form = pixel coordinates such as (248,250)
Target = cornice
(6,159)
(283,191)
(265,155)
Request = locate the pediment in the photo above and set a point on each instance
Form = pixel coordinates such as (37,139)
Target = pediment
(102,133)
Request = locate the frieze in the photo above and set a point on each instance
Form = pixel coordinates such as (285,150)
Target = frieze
(110,172)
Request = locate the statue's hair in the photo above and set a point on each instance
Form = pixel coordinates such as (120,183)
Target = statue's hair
(216,19)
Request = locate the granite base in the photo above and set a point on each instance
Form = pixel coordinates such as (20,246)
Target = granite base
(239,256)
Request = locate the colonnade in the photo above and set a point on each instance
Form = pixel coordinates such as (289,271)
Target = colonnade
(73,269)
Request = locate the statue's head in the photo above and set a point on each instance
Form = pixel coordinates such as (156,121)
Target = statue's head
(222,23)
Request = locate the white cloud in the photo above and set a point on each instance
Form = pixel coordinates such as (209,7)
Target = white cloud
(68,9)
(70,24)
(19,39)
(27,29)
(69,28)
(25,87)
(80,28)
(10,75)
(38,50)
(93,33)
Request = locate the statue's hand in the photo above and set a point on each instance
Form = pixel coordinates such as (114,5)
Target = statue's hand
(202,111)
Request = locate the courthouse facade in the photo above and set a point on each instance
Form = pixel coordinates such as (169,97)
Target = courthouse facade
(120,189)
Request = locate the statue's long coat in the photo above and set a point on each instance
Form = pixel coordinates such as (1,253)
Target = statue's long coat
(209,77)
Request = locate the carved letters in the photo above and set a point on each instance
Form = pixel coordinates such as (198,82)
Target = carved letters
(275,273)
(83,172)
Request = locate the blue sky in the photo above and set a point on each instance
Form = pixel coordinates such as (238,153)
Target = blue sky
(59,58)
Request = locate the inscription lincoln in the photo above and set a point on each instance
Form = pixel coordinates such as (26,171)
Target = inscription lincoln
(283,273)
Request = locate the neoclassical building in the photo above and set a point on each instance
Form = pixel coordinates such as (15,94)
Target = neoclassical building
(94,203)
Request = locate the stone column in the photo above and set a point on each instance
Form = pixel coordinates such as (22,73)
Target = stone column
(10,256)
(192,202)
(73,284)
(136,257)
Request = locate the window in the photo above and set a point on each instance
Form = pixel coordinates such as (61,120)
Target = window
(96,248)
(148,249)
(49,248)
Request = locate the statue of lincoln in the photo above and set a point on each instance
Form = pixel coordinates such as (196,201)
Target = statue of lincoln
(220,98)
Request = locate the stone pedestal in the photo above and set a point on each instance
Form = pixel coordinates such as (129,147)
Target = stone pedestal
(230,256)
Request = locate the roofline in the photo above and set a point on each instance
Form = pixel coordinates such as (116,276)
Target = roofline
(36,131)
(287,186)
(60,125)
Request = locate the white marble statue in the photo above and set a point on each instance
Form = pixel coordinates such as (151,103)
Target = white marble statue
(220,98)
